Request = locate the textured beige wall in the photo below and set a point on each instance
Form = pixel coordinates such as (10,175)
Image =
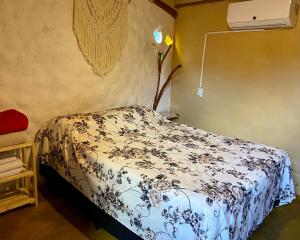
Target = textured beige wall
(251,81)
(43,73)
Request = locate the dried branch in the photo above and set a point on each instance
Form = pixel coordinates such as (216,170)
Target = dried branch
(159,65)
(157,99)
(166,54)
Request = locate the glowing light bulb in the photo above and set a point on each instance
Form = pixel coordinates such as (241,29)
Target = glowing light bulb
(168,40)
(158,36)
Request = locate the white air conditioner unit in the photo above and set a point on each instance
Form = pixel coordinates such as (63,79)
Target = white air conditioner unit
(262,14)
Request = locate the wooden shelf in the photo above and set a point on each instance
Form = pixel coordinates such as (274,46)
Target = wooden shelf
(16,147)
(15,200)
(26,189)
(26,173)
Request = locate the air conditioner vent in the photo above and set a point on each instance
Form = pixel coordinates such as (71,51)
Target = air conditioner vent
(262,14)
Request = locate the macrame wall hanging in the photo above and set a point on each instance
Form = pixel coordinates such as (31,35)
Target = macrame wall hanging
(100,27)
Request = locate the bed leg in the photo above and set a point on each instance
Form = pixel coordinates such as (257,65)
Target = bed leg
(98,220)
(98,224)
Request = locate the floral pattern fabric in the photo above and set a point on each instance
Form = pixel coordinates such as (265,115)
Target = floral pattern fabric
(165,180)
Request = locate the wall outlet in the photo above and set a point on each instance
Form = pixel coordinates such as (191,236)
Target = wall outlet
(200,92)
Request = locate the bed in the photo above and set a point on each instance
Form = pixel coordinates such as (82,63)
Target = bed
(164,180)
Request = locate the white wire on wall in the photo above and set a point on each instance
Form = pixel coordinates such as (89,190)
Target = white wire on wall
(200,89)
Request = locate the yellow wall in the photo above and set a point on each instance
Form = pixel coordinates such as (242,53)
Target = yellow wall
(251,81)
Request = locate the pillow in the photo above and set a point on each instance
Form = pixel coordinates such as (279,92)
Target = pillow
(12,121)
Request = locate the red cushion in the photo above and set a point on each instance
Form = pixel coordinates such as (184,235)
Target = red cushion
(12,121)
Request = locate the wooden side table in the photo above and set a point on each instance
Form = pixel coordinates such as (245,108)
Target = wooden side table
(169,115)
(25,191)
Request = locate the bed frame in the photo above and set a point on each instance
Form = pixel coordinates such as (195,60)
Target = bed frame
(97,216)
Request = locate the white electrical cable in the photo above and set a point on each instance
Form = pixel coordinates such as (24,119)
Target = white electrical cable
(205,43)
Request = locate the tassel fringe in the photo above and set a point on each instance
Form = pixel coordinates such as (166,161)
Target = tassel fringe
(101,30)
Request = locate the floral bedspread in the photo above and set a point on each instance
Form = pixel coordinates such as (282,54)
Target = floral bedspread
(164,180)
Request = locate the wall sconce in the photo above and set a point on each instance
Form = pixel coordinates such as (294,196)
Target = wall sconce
(159,38)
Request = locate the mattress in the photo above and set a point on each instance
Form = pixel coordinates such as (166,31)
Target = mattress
(165,180)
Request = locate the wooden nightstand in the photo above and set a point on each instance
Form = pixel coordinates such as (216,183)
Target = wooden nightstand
(25,191)
(169,115)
